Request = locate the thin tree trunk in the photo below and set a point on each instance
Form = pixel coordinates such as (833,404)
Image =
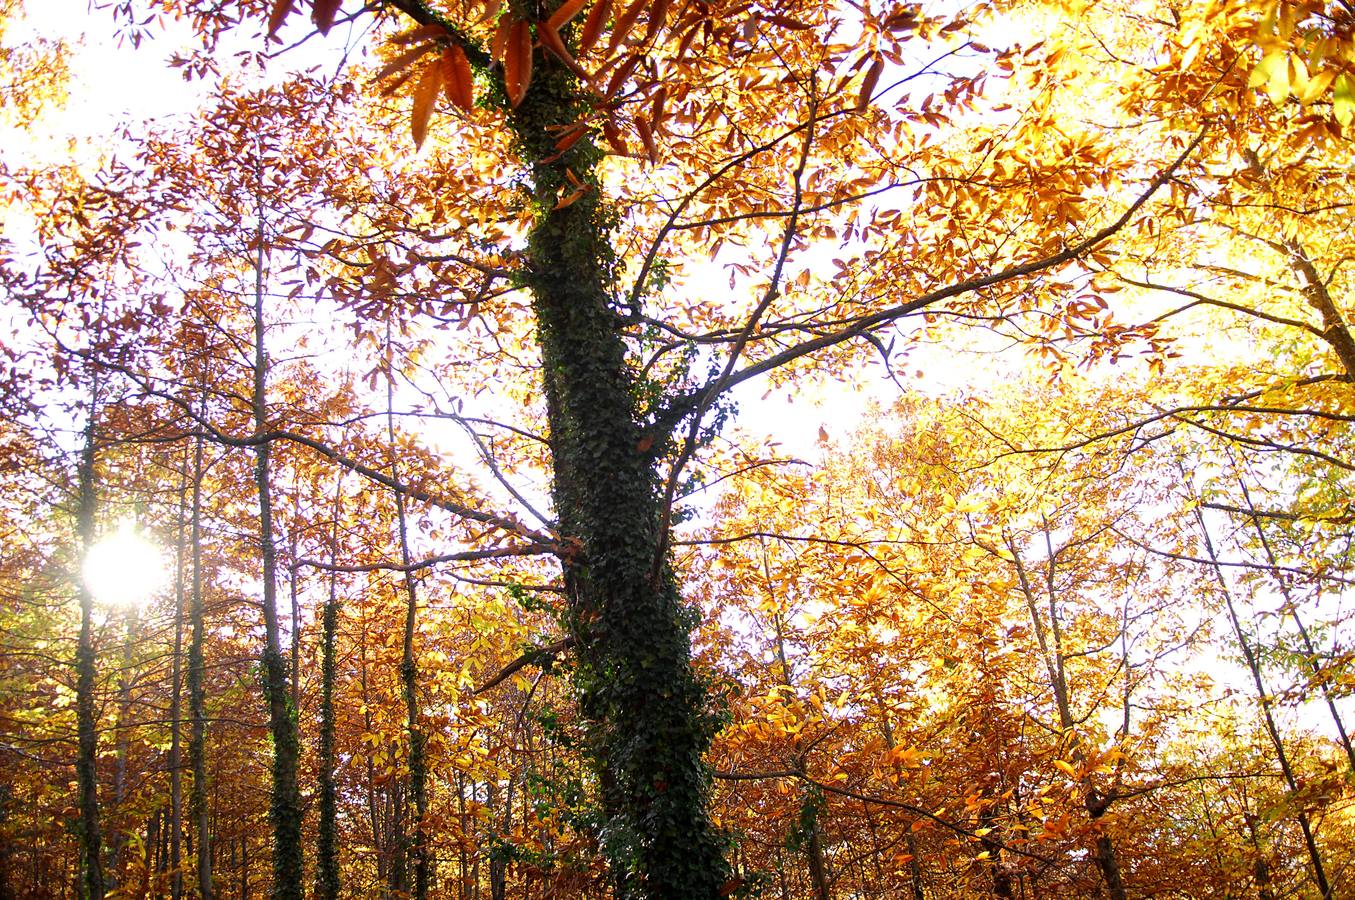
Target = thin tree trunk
(327,846)
(91,842)
(1309,650)
(122,740)
(198,809)
(409,672)
(1254,666)
(176,699)
(285,805)
(1050,641)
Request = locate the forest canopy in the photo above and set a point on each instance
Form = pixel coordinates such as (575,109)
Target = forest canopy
(677,449)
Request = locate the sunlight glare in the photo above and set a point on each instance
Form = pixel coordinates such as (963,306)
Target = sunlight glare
(125,569)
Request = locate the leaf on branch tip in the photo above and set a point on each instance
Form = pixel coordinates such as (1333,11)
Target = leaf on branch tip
(568,10)
(425,98)
(457,78)
(868,83)
(517,62)
(323,14)
(592,26)
(281,9)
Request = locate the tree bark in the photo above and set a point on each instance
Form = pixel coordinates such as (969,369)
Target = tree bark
(197,705)
(327,876)
(649,727)
(1281,755)
(285,803)
(91,839)
(409,672)
(176,698)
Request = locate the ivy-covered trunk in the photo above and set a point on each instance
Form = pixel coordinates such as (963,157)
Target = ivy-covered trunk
(327,876)
(647,711)
(285,804)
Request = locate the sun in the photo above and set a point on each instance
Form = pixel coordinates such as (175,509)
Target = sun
(124,568)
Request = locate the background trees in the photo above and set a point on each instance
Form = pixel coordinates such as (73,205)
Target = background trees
(428,432)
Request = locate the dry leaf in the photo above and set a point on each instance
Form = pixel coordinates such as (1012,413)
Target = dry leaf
(323,14)
(593,25)
(281,8)
(458,78)
(868,84)
(624,23)
(568,10)
(425,98)
(517,62)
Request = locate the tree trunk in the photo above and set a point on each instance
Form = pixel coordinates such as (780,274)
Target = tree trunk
(409,672)
(1308,648)
(327,880)
(1254,666)
(1052,651)
(176,699)
(649,727)
(91,841)
(285,805)
(197,706)
(121,741)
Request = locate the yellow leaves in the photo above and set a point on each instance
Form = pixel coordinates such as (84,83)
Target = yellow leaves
(425,99)
(908,757)
(1272,72)
(517,61)
(1343,102)
(1066,768)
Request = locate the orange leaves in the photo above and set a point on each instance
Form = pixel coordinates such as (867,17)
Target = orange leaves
(458,78)
(517,61)
(425,98)
(593,25)
(624,23)
(568,10)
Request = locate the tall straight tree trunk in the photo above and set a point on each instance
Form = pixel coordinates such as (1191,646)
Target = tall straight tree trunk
(647,710)
(176,695)
(1051,649)
(327,877)
(1268,716)
(122,741)
(198,809)
(813,844)
(409,672)
(1309,649)
(285,805)
(86,767)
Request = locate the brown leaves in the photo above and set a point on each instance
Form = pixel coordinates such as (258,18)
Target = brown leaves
(278,15)
(593,25)
(517,61)
(568,10)
(457,78)
(869,82)
(425,99)
(323,14)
